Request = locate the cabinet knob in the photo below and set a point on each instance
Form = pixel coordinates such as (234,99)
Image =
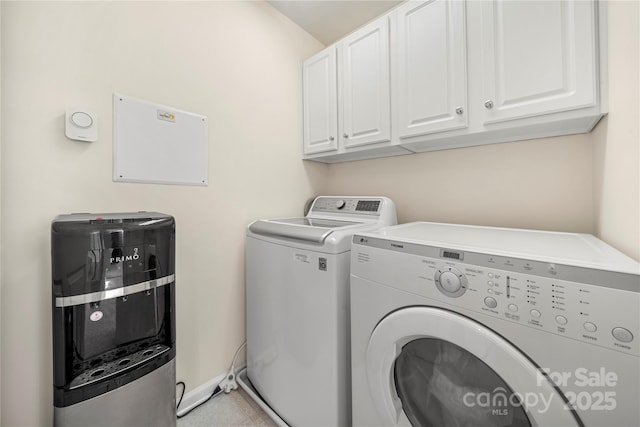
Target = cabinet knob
(488,104)
(459,111)
(344,135)
(331,138)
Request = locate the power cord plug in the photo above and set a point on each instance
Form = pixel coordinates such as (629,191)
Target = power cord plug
(229,383)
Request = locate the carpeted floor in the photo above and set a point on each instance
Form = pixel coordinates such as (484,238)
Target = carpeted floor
(233,409)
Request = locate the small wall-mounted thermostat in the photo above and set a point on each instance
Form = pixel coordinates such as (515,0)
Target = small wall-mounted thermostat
(81,125)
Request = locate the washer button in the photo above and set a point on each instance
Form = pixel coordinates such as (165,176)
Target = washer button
(590,327)
(561,320)
(513,308)
(622,334)
(490,302)
(535,314)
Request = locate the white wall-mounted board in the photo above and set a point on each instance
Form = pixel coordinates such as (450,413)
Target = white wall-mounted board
(158,144)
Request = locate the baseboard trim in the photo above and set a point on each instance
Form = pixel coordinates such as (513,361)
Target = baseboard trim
(201,393)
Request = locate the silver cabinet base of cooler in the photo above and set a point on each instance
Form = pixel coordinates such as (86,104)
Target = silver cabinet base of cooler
(149,401)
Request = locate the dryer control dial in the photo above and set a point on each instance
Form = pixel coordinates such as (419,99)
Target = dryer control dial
(450,281)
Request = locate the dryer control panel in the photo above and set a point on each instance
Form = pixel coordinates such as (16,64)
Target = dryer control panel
(595,306)
(346,205)
(366,209)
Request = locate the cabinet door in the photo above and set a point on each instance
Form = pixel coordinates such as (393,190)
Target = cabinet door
(320,105)
(539,57)
(364,85)
(430,71)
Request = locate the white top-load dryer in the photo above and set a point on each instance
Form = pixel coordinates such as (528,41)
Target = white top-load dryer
(457,325)
(297,278)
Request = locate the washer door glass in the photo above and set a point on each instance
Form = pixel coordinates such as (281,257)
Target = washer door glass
(428,366)
(442,384)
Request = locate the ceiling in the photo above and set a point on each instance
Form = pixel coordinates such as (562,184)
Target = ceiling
(330,20)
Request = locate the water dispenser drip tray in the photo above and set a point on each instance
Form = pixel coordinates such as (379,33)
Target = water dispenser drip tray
(117,366)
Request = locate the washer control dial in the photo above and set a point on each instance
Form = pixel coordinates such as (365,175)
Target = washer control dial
(450,281)
(340,204)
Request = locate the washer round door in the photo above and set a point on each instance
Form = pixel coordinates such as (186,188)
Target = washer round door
(431,367)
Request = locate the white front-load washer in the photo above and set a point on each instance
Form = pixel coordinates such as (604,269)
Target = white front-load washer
(475,326)
(297,287)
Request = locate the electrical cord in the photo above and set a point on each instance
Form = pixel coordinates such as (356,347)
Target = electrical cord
(229,384)
(216,391)
(235,356)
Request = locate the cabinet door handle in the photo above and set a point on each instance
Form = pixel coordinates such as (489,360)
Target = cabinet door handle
(345,135)
(459,111)
(488,104)
(331,138)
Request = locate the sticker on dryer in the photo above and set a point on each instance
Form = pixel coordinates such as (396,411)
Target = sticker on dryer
(301,258)
(95,316)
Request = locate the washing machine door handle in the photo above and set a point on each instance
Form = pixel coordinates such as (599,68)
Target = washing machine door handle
(526,380)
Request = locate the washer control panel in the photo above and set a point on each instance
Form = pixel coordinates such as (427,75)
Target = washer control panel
(594,306)
(599,315)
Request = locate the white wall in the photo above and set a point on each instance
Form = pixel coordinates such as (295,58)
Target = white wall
(617,139)
(543,184)
(237,63)
(580,183)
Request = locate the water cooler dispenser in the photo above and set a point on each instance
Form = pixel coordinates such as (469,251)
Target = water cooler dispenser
(113,304)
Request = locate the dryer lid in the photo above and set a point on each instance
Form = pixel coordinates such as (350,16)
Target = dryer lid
(307,229)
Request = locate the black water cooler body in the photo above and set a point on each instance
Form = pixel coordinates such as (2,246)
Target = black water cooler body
(113,306)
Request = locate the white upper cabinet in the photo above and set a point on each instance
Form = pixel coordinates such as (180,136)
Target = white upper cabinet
(363,85)
(539,57)
(430,71)
(320,106)
(439,74)
(346,98)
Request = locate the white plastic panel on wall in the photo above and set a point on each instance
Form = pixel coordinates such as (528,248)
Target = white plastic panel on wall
(157,144)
